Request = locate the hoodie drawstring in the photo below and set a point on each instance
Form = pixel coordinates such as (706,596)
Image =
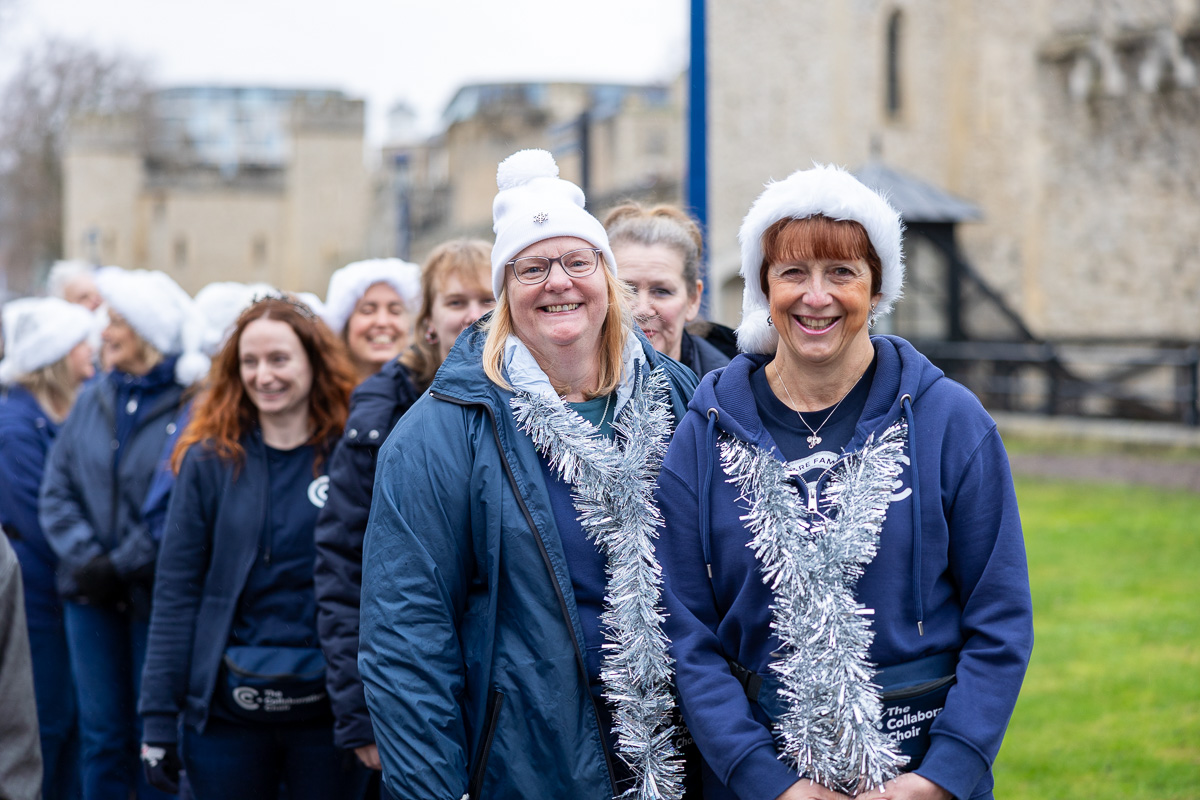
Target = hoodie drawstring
(918,599)
(706,490)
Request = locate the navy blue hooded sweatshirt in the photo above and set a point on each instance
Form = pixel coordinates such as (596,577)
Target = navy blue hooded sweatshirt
(950,574)
(26,433)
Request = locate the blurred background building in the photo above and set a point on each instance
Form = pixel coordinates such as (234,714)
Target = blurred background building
(221,183)
(1046,154)
(615,141)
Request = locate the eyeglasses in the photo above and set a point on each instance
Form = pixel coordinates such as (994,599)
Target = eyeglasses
(535,269)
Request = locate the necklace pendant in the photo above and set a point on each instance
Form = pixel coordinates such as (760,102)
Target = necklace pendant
(813,441)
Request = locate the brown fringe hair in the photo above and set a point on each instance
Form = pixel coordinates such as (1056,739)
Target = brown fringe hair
(818,238)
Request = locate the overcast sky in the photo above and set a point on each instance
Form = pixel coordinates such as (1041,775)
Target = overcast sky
(381,50)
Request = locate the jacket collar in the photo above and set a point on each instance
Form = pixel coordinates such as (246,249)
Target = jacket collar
(462,378)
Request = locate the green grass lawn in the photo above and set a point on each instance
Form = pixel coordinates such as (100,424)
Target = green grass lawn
(1111,704)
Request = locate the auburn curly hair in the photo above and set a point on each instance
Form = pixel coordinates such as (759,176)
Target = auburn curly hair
(223,412)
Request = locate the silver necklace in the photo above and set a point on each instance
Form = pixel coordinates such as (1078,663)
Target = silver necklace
(608,402)
(605,414)
(813,439)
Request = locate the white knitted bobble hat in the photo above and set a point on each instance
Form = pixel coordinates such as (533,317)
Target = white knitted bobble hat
(39,331)
(162,313)
(348,284)
(534,204)
(835,193)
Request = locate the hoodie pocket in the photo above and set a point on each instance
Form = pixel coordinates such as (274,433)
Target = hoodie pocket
(492,717)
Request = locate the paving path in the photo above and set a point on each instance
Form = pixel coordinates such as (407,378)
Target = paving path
(1168,474)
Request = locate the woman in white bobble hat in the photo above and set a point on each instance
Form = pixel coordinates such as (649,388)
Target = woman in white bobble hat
(47,358)
(370,305)
(510,642)
(847,597)
(90,508)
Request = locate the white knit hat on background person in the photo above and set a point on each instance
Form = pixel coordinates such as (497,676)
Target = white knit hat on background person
(832,192)
(534,204)
(220,304)
(161,312)
(38,331)
(348,284)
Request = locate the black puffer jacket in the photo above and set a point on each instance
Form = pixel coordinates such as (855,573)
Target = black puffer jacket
(375,407)
(700,356)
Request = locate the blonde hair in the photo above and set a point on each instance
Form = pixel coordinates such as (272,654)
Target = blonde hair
(145,352)
(54,387)
(615,330)
(470,259)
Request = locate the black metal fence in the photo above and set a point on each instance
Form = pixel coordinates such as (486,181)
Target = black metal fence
(1121,380)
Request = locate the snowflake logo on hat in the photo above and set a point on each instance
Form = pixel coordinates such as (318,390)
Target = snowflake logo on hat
(541,217)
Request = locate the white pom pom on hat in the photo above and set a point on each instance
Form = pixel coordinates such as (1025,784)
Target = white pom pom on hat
(830,191)
(159,311)
(523,166)
(38,331)
(348,284)
(534,204)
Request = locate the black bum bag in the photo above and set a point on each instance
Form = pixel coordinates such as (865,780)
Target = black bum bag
(274,684)
(913,694)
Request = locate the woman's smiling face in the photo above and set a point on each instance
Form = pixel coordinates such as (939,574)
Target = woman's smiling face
(561,311)
(378,328)
(820,308)
(274,368)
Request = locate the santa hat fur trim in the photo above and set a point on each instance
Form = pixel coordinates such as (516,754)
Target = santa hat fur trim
(38,331)
(835,193)
(162,313)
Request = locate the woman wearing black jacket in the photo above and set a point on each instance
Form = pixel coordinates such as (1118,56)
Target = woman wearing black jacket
(234,606)
(455,291)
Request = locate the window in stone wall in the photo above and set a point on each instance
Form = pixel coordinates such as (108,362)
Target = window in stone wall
(258,251)
(894,101)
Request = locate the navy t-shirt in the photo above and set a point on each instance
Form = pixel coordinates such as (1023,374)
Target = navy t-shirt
(278,606)
(587,567)
(585,562)
(791,436)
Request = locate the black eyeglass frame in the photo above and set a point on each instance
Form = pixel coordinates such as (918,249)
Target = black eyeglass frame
(559,259)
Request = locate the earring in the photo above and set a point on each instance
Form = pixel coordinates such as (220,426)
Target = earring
(872,318)
(770,322)
(430,336)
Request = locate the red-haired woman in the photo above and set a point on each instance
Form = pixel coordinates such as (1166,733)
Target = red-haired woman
(233,660)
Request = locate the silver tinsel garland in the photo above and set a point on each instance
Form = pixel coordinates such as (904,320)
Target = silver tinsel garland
(612,486)
(812,562)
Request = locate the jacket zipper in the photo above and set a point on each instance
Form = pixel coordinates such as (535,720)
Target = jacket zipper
(562,600)
(475,786)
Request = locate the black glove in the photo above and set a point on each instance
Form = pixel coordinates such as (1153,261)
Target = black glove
(98,582)
(161,764)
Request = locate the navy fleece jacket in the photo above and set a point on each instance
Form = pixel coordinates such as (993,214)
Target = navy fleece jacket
(962,575)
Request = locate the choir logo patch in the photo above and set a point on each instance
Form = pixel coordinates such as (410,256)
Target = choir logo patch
(318,491)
